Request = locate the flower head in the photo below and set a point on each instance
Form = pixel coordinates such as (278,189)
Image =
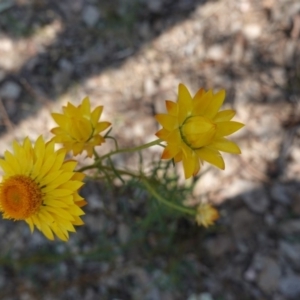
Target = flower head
(206,215)
(195,130)
(41,188)
(78,127)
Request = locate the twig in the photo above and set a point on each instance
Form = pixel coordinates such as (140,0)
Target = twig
(45,101)
(6,120)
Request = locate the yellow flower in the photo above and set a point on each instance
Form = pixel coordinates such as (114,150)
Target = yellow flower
(78,128)
(41,188)
(206,215)
(195,131)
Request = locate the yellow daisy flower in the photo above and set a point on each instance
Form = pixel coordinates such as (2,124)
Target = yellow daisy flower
(195,131)
(78,128)
(206,215)
(41,188)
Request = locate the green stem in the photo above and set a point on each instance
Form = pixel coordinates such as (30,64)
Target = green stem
(134,149)
(128,150)
(166,202)
(153,192)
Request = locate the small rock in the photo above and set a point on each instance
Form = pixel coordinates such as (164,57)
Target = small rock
(252,31)
(291,252)
(66,66)
(2,74)
(250,275)
(90,15)
(219,245)
(244,224)
(202,296)
(296,204)
(290,286)
(145,30)
(257,200)
(280,194)
(150,87)
(10,90)
(123,233)
(205,296)
(215,52)
(89,294)
(93,55)
(94,202)
(290,227)
(155,5)
(268,278)
(255,267)
(61,80)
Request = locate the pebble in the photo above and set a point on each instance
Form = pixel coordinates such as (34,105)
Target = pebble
(252,31)
(215,52)
(219,245)
(243,219)
(257,200)
(291,252)
(202,296)
(90,15)
(154,5)
(268,278)
(10,90)
(290,227)
(123,233)
(290,286)
(280,194)
(150,86)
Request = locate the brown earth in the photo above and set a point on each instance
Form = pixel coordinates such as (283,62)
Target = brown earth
(130,55)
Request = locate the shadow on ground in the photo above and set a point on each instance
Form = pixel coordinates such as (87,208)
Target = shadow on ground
(90,37)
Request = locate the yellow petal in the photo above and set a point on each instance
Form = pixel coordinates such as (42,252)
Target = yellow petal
(228,127)
(190,165)
(96,114)
(225,115)
(59,212)
(47,231)
(170,151)
(13,161)
(174,137)
(55,203)
(167,121)
(69,165)
(172,108)
(59,232)
(76,210)
(200,103)
(211,156)
(162,134)
(85,106)
(81,203)
(72,185)
(225,145)
(59,193)
(101,126)
(70,110)
(215,104)
(60,120)
(184,103)
(178,157)
(30,223)
(77,221)
(7,167)
(50,177)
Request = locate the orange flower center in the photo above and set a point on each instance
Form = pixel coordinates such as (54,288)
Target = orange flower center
(20,197)
(197,131)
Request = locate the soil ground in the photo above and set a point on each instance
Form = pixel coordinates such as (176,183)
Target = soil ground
(130,55)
